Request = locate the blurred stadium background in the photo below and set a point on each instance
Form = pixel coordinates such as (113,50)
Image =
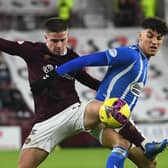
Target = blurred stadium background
(94,25)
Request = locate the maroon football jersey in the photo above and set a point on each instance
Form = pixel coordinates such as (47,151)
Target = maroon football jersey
(61,93)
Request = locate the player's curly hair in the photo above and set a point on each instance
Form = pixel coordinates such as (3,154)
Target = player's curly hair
(55,24)
(157,24)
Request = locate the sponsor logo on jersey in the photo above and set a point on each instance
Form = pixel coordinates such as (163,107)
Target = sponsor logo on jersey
(136,88)
(113,52)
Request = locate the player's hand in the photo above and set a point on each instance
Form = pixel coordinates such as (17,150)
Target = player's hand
(41,84)
(114,111)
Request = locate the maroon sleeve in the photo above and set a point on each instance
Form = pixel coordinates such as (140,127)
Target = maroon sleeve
(19,48)
(83,77)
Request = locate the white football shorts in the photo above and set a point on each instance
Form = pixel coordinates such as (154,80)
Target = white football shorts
(49,133)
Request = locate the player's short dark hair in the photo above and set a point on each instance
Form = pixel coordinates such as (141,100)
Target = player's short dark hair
(55,24)
(157,24)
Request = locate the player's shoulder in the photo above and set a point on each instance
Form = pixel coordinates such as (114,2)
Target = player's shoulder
(127,49)
(123,50)
(133,48)
(130,51)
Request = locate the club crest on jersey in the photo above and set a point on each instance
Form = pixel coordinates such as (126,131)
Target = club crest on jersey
(48,68)
(136,88)
(113,52)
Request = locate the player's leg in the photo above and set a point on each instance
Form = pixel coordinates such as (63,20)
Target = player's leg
(47,134)
(91,114)
(119,146)
(141,159)
(137,156)
(31,157)
(129,131)
(117,157)
(110,138)
(151,149)
(91,119)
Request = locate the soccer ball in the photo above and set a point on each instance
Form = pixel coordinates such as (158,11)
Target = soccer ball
(106,112)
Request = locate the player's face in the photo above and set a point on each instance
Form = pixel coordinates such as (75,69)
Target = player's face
(57,42)
(150,42)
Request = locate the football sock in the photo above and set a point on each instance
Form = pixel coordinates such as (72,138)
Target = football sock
(117,157)
(131,133)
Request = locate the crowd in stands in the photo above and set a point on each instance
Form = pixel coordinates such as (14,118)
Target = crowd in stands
(24,16)
(13,109)
(132,12)
(34,12)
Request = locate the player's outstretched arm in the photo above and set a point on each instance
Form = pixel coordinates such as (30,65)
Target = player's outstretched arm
(96,59)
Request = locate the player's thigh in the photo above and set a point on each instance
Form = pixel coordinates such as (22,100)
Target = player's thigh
(91,114)
(136,155)
(31,157)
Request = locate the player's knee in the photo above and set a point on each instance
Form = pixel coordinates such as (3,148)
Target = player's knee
(91,115)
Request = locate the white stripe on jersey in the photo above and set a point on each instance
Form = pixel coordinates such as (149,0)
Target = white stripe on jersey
(141,69)
(115,79)
(136,79)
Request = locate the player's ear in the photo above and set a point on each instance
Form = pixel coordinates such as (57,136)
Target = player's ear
(139,36)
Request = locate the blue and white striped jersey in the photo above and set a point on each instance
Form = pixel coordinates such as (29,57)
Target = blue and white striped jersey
(126,74)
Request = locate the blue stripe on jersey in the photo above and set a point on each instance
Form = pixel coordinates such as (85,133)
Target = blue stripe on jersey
(116,78)
(127,78)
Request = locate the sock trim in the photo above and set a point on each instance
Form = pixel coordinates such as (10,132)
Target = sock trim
(121,150)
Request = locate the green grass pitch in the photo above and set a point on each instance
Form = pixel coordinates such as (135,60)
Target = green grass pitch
(74,158)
